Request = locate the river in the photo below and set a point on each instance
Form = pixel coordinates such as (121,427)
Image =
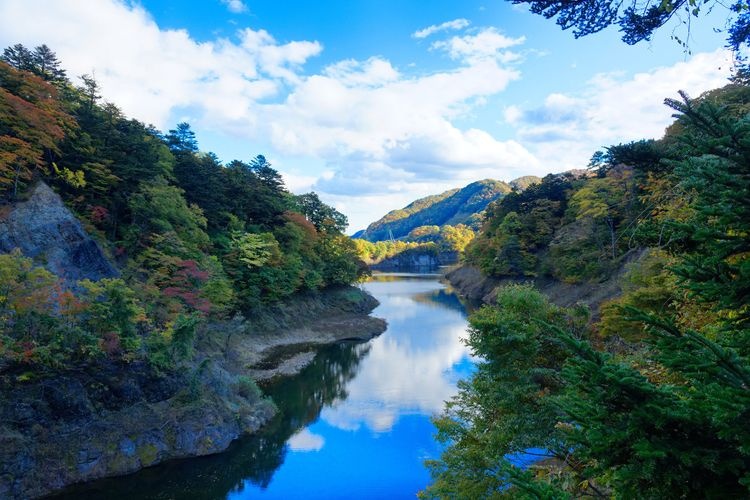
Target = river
(354,424)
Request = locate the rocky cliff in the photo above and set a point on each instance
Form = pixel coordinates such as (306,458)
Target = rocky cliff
(74,423)
(472,284)
(107,419)
(43,228)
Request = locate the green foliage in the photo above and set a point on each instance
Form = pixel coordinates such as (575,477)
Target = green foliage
(520,227)
(160,209)
(45,325)
(454,207)
(183,335)
(665,416)
(194,239)
(323,217)
(248,389)
(507,405)
(255,250)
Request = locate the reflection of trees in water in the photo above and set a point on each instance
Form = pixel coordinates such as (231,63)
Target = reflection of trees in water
(391,277)
(256,458)
(443,299)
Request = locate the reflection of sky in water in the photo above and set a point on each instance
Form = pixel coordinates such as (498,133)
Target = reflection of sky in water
(411,368)
(373,443)
(353,424)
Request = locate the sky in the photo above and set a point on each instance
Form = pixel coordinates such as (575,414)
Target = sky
(375,103)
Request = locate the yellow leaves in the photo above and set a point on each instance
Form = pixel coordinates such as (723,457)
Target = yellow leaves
(75,179)
(23,287)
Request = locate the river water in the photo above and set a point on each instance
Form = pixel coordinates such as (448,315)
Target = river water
(354,424)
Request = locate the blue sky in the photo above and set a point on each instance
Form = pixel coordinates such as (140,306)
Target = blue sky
(361,100)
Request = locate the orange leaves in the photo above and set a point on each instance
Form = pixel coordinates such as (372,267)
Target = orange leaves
(32,122)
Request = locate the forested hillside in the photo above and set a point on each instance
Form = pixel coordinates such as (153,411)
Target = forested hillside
(651,401)
(435,224)
(192,239)
(453,207)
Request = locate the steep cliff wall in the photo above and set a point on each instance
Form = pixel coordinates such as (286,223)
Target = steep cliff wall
(43,228)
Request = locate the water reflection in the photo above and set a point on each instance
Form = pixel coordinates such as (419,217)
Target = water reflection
(355,423)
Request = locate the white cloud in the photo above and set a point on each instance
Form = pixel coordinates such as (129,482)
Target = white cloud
(373,72)
(487,43)
(567,128)
(456,24)
(351,115)
(384,135)
(150,72)
(235,6)
(404,372)
(305,440)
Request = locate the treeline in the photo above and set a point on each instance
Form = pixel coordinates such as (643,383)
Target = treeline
(653,400)
(430,240)
(193,238)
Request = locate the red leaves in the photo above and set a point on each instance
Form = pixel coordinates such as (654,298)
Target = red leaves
(98,214)
(184,285)
(34,122)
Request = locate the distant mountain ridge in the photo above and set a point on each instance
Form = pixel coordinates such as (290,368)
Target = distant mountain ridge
(455,206)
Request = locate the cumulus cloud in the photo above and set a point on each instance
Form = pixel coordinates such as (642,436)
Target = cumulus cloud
(353,115)
(235,6)
(405,372)
(456,24)
(305,440)
(384,134)
(487,43)
(566,129)
(150,72)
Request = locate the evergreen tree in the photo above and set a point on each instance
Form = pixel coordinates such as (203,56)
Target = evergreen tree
(182,139)
(18,57)
(47,65)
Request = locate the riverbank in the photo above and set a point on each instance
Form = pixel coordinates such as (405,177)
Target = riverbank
(470,283)
(107,419)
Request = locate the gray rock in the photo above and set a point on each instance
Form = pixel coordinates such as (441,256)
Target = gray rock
(44,229)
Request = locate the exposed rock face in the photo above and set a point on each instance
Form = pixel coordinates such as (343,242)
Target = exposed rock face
(112,418)
(44,229)
(409,260)
(472,284)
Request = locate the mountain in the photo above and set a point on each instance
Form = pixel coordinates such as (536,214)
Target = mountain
(455,206)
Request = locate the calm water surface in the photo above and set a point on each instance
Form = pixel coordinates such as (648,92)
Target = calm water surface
(354,424)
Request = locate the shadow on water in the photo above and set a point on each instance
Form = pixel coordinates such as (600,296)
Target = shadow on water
(252,459)
(354,424)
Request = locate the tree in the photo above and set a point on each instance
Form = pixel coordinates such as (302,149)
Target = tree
(18,57)
(182,139)
(637,19)
(267,175)
(715,241)
(323,217)
(47,65)
(667,417)
(32,123)
(91,91)
(607,200)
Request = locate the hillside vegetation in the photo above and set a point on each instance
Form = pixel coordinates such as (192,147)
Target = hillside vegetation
(193,239)
(652,400)
(456,206)
(434,224)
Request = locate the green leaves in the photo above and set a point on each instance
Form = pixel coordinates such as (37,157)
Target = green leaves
(667,416)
